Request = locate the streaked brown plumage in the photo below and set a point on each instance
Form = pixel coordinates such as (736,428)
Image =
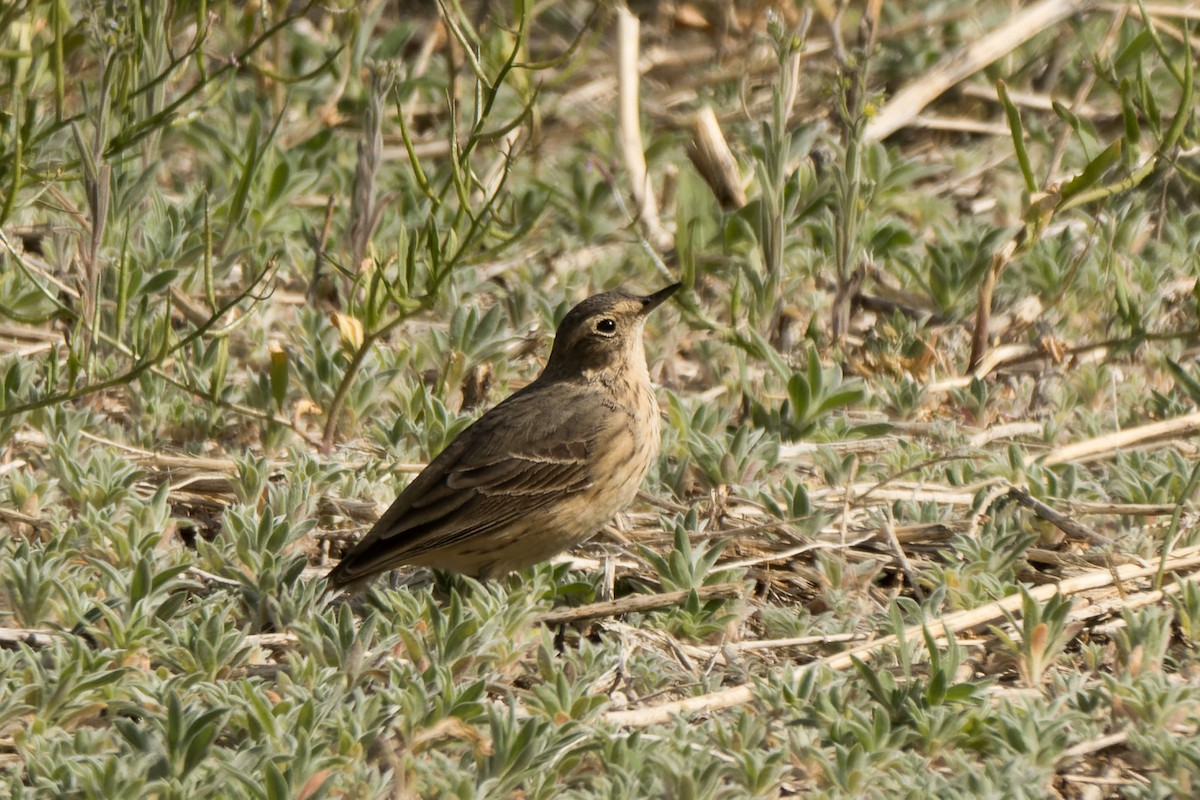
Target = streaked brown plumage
(542,471)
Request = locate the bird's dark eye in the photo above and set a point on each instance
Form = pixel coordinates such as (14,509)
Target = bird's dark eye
(606,325)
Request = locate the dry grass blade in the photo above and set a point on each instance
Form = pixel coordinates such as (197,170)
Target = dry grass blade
(956,622)
(629,130)
(907,104)
(1111,443)
(36,638)
(710,152)
(638,603)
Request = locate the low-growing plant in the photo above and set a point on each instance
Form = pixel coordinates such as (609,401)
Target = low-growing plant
(688,567)
(1143,640)
(1043,633)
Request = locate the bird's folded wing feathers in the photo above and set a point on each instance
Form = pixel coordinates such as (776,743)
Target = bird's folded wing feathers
(470,498)
(469,489)
(521,474)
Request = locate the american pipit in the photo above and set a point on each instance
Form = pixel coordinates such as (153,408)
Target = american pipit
(542,471)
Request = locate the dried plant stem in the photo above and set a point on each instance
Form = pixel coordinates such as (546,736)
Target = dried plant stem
(639,603)
(629,132)
(910,101)
(956,622)
(1110,443)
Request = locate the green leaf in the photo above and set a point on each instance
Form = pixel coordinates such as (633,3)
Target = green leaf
(1133,128)
(1185,380)
(158,281)
(800,395)
(1018,136)
(1092,173)
(139,586)
(277,787)
(1067,116)
(197,748)
(278,183)
(841,399)
(1133,51)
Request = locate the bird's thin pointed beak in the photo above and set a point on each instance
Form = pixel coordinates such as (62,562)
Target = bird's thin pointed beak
(653,301)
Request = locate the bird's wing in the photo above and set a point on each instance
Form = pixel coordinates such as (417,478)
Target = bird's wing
(522,456)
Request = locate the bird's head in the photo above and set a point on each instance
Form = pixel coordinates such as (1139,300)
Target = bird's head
(603,334)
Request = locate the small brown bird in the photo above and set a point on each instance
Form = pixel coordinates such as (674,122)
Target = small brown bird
(542,471)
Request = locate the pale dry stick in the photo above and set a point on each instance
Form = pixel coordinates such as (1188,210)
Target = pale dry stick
(718,653)
(17,518)
(777,644)
(198,315)
(31,350)
(642,637)
(439,148)
(272,641)
(1131,601)
(710,152)
(1036,101)
(629,133)
(695,70)
(207,577)
(1111,443)
(493,179)
(910,101)
(29,332)
(1180,11)
(580,259)
(609,581)
(1122,509)
(163,461)
(638,603)
(1102,780)
(155,459)
(950,624)
(1163,28)
(587,564)
(930,122)
(992,359)
(36,638)
(1013,355)
(435,37)
(902,490)
(1008,430)
(1092,746)
(792,552)
(872,445)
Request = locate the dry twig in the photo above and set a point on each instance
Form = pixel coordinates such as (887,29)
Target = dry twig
(910,101)
(956,622)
